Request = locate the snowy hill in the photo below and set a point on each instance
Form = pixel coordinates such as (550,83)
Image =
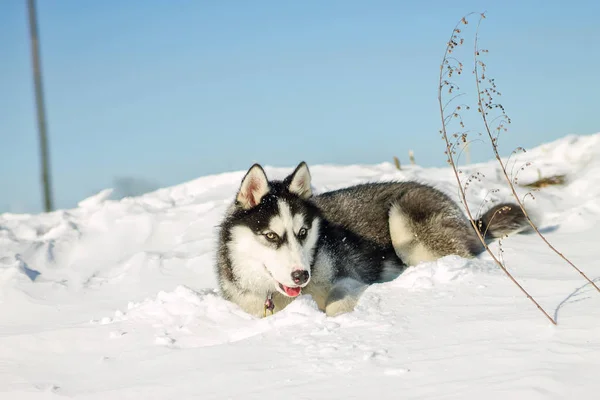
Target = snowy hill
(116,299)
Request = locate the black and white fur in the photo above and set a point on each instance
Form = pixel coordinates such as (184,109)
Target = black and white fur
(279,240)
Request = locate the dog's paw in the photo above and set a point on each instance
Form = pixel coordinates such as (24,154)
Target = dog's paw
(339,307)
(344,296)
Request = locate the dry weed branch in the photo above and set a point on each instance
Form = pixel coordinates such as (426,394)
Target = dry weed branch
(448,67)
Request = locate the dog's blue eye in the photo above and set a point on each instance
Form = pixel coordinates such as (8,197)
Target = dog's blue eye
(302,232)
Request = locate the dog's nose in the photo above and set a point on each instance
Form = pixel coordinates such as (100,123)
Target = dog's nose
(300,276)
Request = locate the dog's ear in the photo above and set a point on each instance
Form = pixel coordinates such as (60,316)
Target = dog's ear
(254,187)
(299,181)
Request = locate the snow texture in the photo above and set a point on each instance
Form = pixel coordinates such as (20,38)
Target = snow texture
(118,300)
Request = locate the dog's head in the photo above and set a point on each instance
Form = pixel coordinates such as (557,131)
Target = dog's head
(273,232)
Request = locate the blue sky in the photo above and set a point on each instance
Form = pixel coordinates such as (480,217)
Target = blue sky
(167,91)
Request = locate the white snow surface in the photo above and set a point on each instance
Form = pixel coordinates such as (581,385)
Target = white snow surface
(118,300)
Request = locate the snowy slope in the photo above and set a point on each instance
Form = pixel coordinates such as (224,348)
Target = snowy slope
(117,300)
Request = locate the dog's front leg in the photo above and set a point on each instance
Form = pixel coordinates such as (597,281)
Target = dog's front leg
(343,296)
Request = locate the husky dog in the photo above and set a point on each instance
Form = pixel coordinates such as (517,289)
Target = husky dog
(277,240)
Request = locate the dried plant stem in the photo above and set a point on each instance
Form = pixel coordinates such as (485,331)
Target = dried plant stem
(482,109)
(449,150)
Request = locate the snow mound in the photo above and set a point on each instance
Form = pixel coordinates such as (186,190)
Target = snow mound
(118,299)
(445,270)
(184,318)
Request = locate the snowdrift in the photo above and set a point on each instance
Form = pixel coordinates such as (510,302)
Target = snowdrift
(117,299)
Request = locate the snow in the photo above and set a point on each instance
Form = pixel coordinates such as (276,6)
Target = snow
(117,300)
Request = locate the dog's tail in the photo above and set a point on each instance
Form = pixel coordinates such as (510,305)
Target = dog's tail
(502,220)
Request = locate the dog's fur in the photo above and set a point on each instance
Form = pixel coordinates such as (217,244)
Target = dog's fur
(276,234)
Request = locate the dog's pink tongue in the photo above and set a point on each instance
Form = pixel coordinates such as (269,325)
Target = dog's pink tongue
(292,292)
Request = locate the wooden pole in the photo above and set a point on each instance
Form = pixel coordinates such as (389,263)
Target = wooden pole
(40,108)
